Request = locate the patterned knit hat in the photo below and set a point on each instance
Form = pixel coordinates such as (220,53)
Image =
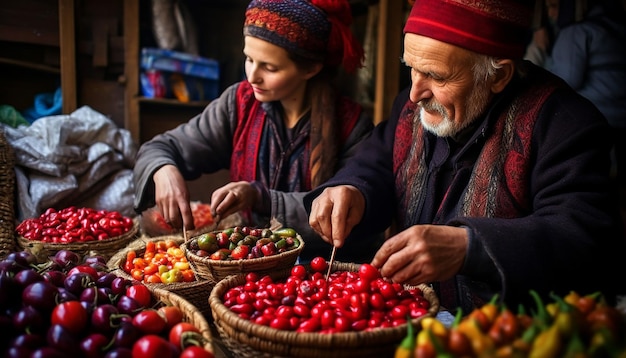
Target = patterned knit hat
(497,28)
(317,30)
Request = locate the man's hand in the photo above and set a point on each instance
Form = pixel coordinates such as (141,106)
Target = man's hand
(335,212)
(422,253)
(172,197)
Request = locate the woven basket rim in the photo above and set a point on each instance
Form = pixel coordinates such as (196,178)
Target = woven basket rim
(195,292)
(82,246)
(7,191)
(223,316)
(116,261)
(237,263)
(220,269)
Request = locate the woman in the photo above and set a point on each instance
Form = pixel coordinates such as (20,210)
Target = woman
(281,132)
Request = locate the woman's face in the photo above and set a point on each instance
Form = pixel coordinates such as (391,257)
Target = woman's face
(443,86)
(272,74)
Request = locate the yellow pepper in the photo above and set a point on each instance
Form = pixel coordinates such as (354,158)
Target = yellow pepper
(481,343)
(547,344)
(568,319)
(436,327)
(424,346)
(491,309)
(509,351)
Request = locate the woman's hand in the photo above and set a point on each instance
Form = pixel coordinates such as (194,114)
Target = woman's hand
(172,197)
(233,197)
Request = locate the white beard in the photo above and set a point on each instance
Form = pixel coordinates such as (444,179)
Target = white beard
(478,101)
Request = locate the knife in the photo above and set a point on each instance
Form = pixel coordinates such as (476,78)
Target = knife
(330,264)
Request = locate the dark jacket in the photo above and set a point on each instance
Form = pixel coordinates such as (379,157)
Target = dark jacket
(571,237)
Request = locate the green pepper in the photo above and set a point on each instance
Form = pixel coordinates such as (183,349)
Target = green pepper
(440,351)
(285,232)
(575,348)
(296,243)
(407,346)
(603,343)
(543,317)
(524,343)
(281,243)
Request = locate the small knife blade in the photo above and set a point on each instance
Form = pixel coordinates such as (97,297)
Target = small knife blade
(330,263)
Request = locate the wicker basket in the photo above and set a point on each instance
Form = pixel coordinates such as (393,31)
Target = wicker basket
(190,313)
(7,192)
(247,339)
(217,270)
(197,292)
(104,248)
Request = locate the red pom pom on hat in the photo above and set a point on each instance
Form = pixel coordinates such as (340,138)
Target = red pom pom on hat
(343,46)
(335,8)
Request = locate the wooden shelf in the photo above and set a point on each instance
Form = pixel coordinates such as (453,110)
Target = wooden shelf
(30,65)
(171,102)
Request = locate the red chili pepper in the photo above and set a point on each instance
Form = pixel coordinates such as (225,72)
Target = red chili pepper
(115,231)
(51,223)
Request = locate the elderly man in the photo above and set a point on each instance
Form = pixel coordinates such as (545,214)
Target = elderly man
(492,173)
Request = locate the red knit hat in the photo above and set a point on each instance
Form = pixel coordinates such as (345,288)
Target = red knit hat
(497,28)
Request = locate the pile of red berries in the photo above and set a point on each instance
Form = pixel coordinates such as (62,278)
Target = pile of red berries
(308,302)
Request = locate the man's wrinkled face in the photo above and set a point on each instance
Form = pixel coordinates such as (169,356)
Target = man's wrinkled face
(443,85)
